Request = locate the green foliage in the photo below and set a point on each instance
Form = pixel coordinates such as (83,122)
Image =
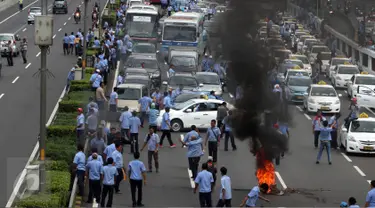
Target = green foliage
(63,118)
(61,131)
(80,87)
(69,106)
(89,70)
(58,181)
(79,96)
(60,152)
(62,140)
(58,165)
(74,100)
(40,200)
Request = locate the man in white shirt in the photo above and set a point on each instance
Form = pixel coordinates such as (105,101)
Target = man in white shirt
(226,189)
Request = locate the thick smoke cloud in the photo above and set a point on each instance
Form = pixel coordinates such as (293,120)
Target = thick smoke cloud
(250,62)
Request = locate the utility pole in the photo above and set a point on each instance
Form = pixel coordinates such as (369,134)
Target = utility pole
(84,58)
(43,38)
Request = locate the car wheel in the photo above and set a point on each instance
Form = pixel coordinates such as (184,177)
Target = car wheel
(53,12)
(176,125)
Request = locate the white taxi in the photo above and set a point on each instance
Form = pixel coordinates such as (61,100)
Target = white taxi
(198,112)
(321,97)
(365,96)
(304,59)
(342,73)
(334,62)
(360,136)
(296,71)
(364,79)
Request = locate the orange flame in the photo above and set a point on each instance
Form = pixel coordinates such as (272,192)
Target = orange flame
(266,174)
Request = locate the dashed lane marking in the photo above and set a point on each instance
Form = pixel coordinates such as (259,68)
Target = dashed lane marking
(54,36)
(49,9)
(346,157)
(369,181)
(192,184)
(59,30)
(1,96)
(359,171)
(281,180)
(27,66)
(307,116)
(299,108)
(230,95)
(37,54)
(15,80)
(346,92)
(6,19)
(24,29)
(64,23)
(69,18)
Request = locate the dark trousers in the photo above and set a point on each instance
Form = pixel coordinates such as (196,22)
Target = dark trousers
(107,189)
(316,138)
(134,185)
(71,46)
(66,48)
(212,150)
(24,58)
(125,133)
(219,125)
(113,107)
(168,134)
(224,202)
(81,181)
(205,199)
(100,104)
(334,143)
(134,142)
(193,165)
(80,137)
(229,134)
(94,190)
(155,155)
(119,178)
(143,117)
(10,59)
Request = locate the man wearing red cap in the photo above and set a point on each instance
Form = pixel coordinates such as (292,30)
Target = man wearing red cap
(80,129)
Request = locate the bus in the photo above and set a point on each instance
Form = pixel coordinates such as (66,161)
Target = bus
(184,29)
(142,24)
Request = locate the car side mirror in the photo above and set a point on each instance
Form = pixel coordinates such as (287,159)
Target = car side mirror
(188,110)
(164,83)
(344,129)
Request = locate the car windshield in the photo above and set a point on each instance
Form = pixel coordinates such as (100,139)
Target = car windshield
(208,79)
(129,94)
(5,37)
(363,126)
(144,63)
(183,61)
(299,82)
(179,33)
(180,106)
(319,49)
(183,80)
(348,70)
(139,48)
(326,56)
(365,81)
(303,59)
(33,9)
(307,41)
(339,61)
(323,91)
(298,73)
(136,80)
(185,97)
(297,62)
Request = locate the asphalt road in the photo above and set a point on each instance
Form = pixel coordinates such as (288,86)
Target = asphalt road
(19,90)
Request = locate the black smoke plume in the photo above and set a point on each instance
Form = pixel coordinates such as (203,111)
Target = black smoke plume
(250,61)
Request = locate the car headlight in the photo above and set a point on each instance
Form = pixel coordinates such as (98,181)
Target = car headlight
(156,74)
(311,101)
(338,78)
(351,138)
(337,102)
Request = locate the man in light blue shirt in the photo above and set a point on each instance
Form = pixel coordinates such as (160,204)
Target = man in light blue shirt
(370,198)
(167,100)
(325,141)
(166,128)
(94,169)
(80,169)
(204,181)
(157,96)
(109,177)
(177,91)
(227,129)
(137,175)
(71,42)
(95,80)
(252,197)
(225,198)
(66,41)
(152,142)
(212,95)
(171,71)
(113,100)
(96,43)
(124,122)
(213,139)
(80,129)
(195,149)
(119,164)
(134,123)
(109,150)
(99,158)
(152,117)
(145,103)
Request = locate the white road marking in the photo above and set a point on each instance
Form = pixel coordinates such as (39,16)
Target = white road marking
(15,80)
(307,116)
(24,29)
(340,95)
(370,110)
(346,92)
(230,95)
(64,23)
(359,171)
(59,30)
(182,139)
(346,157)
(299,108)
(94,204)
(69,18)
(1,96)
(54,36)
(37,54)
(192,184)
(6,19)
(369,181)
(80,5)
(281,180)
(49,9)
(27,66)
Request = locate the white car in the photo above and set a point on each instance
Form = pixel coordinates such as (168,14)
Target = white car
(301,40)
(321,97)
(305,61)
(365,97)
(129,94)
(334,62)
(33,11)
(342,74)
(314,52)
(198,112)
(4,40)
(360,136)
(363,79)
(306,42)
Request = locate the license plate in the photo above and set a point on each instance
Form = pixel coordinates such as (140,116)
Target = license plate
(368,148)
(324,108)
(299,97)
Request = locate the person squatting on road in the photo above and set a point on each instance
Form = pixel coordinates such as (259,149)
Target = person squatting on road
(204,181)
(251,198)
(152,143)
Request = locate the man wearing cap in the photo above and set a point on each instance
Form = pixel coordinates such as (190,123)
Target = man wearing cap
(80,129)
(95,80)
(70,77)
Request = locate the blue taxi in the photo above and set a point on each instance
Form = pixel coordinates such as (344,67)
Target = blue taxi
(295,87)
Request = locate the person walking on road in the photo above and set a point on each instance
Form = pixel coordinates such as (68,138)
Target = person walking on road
(325,141)
(194,143)
(213,138)
(99,157)
(316,124)
(145,103)
(135,124)
(66,41)
(94,172)
(252,197)
(225,198)
(137,176)
(110,174)
(24,50)
(152,117)
(72,37)
(334,122)
(98,142)
(20,4)
(166,128)
(80,129)
(92,123)
(119,163)
(370,198)
(204,181)
(124,122)
(95,80)
(70,77)
(79,162)
(113,100)
(100,96)
(152,142)
(222,112)
(227,129)
(10,53)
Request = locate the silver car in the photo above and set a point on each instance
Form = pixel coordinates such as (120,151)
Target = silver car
(209,81)
(4,39)
(33,11)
